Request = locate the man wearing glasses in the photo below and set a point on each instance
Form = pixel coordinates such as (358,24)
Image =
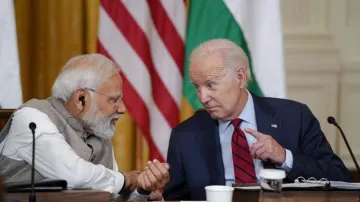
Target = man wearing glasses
(74,127)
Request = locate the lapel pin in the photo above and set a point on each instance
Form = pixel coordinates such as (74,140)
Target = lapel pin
(273,125)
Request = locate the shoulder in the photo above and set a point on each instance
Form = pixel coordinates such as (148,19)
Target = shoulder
(280,104)
(186,131)
(43,106)
(19,134)
(29,114)
(184,134)
(24,116)
(287,109)
(200,119)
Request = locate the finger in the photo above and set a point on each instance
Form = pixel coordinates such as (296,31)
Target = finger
(155,171)
(147,182)
(144,182)
(260,152)
(152,178)
(166,165)
(164,173)
(257,135)
(264,156)
(161,168)
(255,147)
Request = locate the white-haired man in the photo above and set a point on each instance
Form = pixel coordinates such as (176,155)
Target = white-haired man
(73,133)
(239,133)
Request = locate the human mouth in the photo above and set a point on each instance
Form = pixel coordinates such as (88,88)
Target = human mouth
(210,108)
(113,121)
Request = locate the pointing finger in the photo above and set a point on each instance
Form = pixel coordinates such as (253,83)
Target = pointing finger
(255,147)
(257,135)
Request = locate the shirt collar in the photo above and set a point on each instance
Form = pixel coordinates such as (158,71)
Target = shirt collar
(247,114)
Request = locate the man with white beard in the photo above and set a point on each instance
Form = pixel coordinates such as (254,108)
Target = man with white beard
(74,127)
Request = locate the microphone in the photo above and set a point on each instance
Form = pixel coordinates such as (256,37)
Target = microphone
(32,196)
(331,120)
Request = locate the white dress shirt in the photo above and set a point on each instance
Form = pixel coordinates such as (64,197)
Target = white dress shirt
(226,130)
(54,158)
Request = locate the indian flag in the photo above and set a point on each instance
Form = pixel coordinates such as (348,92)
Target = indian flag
(255,25)
(10,86)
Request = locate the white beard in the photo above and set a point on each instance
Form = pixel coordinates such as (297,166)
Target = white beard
(101,125)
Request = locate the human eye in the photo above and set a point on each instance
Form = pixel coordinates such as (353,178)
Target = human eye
(197,87)
(211,84)
(112,100)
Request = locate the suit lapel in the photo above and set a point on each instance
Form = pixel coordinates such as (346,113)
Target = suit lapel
(266,121)
(208,141)
(208,138)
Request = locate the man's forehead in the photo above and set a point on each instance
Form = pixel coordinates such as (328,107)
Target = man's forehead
(115,79)
(113,92)
(211,62)
(207,70)
(114,82)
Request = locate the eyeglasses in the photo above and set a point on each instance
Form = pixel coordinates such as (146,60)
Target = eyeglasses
(112,100)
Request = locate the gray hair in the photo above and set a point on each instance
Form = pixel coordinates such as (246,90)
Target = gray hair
(83,71)
(232,55)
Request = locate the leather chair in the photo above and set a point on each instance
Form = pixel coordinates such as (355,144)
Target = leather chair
(4,116)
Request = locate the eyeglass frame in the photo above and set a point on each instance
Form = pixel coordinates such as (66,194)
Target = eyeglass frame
(117,101)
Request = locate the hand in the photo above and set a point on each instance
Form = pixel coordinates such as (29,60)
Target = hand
(130,180)
(155,176)
(266,148)
(155,196)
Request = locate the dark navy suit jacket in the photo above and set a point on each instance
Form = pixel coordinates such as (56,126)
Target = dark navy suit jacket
(195,157)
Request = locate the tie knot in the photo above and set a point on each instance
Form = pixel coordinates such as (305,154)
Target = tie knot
(236,122)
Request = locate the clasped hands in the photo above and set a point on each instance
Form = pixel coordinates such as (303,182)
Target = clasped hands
(148,181)
(156,175)
(266,148)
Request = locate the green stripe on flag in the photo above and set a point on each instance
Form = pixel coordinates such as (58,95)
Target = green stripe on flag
(210,20)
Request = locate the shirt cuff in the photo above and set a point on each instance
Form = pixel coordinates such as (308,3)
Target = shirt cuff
(119,182)
(288,163)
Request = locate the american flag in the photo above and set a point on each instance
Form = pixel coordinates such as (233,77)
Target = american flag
(146,40)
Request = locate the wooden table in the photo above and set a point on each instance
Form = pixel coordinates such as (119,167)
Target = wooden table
(239,196)
(69,195)
(298,196)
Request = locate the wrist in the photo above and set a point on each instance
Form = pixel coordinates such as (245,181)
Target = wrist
(283,157)
(125,186)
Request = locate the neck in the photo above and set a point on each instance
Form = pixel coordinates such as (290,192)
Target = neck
(241,104)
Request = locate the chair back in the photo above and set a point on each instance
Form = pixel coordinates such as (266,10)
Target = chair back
(4,116)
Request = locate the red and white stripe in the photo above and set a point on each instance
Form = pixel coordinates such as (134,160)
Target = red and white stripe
(146,39)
